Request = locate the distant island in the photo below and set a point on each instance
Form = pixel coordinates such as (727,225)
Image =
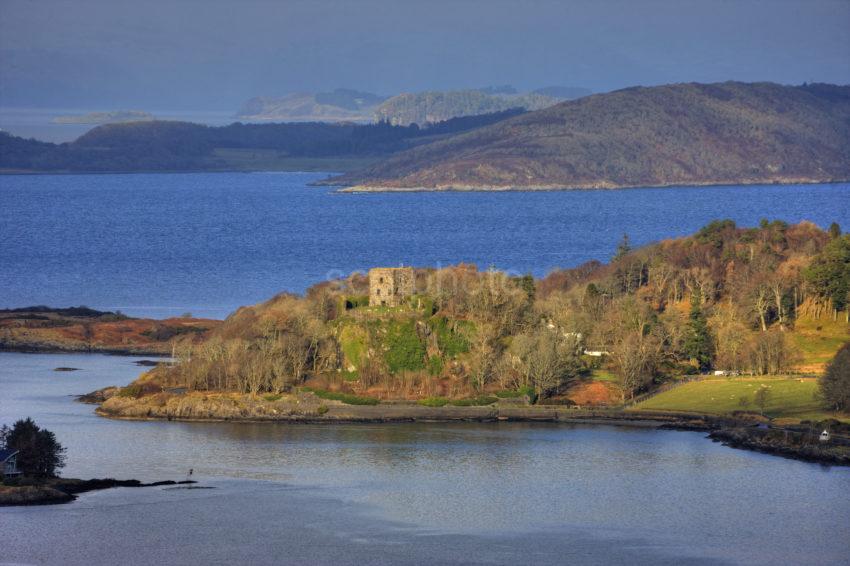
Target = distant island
(421,108)
(682,134)
(340,105)
(97,118)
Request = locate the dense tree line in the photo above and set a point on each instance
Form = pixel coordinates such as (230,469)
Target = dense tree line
(725,298)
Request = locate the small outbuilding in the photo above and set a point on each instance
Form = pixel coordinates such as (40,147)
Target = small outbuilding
(9,463)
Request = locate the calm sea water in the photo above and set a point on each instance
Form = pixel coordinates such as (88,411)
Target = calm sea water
(162,245)
(496,493)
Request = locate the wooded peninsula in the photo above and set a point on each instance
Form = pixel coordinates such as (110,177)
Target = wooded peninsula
(730,322)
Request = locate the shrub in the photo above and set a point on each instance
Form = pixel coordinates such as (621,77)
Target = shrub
(479,401)
(353,344)
(273,398)
(322,409)
(514,394)
(346,398)
(131,391)
(405,351)
(434,401)
(451,341)
(435,365)
(162,333)
(565,401)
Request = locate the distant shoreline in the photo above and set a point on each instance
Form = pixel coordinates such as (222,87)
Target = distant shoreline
(342,188)
(559,188)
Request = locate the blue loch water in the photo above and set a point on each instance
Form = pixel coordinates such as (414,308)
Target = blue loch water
(407,494)
(163,244)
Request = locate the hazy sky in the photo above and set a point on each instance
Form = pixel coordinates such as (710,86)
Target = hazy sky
(214,54)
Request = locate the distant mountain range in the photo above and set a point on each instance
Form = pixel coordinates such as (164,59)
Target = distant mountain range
(343,105)
(681,134)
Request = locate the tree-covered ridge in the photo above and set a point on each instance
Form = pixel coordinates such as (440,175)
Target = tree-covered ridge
(726,298)
(688,134)
(437,106)
(179,146)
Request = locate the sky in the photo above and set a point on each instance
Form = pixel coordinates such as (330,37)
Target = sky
(213,55)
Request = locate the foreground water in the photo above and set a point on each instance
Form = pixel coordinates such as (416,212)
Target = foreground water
(408,494)
(206,243)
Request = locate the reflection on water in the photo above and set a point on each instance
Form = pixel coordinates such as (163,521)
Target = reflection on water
(556,489)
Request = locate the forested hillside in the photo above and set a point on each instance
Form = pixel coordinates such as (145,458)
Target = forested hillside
(753,300)
(682,134)
(437,106)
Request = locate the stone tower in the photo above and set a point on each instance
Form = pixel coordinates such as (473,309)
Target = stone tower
(388,286)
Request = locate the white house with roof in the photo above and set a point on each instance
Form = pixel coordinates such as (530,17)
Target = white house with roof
(9,463)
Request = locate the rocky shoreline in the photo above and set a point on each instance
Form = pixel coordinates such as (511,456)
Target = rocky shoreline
(64,490)
(786,443)
(309,408)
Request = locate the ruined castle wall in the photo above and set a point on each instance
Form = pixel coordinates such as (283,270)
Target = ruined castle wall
(390,285)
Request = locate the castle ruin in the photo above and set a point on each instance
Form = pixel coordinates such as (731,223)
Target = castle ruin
(389,286)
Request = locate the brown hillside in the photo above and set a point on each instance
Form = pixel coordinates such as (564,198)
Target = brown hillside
(682,134)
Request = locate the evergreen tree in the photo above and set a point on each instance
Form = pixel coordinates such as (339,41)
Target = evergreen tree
(39,453)
(829,272)
(834,230)
(835,382)
(623,248)
(699,344)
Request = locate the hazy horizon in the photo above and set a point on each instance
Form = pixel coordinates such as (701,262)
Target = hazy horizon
(214,55)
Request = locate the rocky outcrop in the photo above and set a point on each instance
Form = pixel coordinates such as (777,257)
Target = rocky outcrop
(99,396)
(215,407)
(64,490)
(32,495)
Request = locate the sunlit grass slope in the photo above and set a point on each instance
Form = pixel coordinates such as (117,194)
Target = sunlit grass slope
(791,398)
(818,341)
